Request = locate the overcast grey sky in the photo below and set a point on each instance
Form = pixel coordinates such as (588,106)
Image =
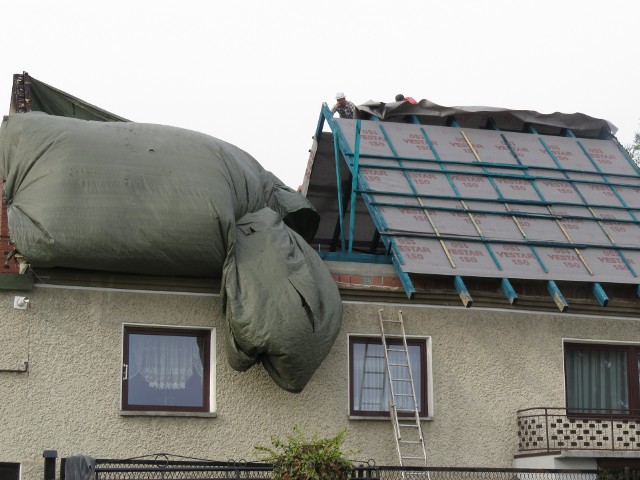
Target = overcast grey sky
(255,73)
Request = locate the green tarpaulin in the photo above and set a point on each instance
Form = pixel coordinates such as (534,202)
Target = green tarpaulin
(48,99)
(152,199)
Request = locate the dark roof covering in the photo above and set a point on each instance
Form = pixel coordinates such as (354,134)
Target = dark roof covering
(429,113)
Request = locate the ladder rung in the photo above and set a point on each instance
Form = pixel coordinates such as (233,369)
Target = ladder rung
(412,410)
(407,425)
(392,321)
(399,365)
(413,458)
(395,349)
(401,380)
(402,394)
(413,442)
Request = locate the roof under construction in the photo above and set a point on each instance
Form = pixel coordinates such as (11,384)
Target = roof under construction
(477,192)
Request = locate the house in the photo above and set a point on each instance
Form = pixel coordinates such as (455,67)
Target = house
(508,243)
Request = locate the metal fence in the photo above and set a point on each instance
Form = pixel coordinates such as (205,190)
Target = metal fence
(453,473)
(171,467)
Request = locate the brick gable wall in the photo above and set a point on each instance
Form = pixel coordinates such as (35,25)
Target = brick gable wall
(6,248)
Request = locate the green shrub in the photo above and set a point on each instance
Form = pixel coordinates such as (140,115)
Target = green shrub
(301,458)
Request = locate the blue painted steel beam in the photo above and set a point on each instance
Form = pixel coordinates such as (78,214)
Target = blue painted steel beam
(545,216)
(398,260)
(506,166)
(339,182)
(490,174)
(378,220)
(600,294)
(509,292)
(625,154)
(354,184)
(487,174)
(603,174)
(405,280)
(335,128)
(461,288)
(542,203)
(320,125)
(557,296)
(467,238)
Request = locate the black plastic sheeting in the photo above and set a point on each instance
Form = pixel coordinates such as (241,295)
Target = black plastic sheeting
(477,117)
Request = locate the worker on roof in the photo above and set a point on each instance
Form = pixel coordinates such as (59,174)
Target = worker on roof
(345,108)
(401,98)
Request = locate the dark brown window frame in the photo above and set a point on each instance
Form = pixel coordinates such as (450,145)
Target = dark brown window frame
(173,331)
(633,381)
(9,470)
(423,343)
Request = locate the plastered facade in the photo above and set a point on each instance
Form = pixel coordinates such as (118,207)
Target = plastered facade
(486,364)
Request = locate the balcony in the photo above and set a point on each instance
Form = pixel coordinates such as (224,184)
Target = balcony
(545,430)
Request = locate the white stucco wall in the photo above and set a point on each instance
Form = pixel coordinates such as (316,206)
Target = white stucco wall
(486,365)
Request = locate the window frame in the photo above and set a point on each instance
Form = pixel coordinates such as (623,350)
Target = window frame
(425,394)
(632,352)
(12,468)
(208,374)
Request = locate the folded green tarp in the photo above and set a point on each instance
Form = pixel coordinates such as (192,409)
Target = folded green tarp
(48,99)
(153,199)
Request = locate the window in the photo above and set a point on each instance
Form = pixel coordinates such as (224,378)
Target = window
(167,369)
(369,384)
(602,379)
(9,471)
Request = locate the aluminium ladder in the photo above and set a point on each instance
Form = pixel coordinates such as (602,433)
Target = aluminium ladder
(403,406)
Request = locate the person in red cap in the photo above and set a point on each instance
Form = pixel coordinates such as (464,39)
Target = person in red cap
(401,98)
(344,108)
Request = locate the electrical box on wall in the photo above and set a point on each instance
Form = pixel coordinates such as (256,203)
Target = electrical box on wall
(20,303)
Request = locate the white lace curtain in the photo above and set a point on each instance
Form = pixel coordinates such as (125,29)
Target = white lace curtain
(370,380)
(165,362)
(596,380)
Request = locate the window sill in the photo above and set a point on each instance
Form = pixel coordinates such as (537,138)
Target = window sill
(577,417)
(599,454)
(378,417)
(153,413)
